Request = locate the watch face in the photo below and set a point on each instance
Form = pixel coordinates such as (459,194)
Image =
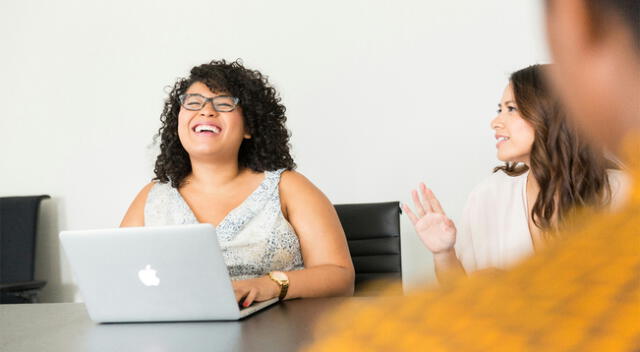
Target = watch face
(280,276)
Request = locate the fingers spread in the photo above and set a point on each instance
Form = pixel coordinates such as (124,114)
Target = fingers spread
(410,214)
(416,201)
(424,191)
(431,199)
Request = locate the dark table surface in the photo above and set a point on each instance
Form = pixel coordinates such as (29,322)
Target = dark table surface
(287,326)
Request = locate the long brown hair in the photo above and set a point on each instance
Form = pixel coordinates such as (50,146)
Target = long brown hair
(571,173)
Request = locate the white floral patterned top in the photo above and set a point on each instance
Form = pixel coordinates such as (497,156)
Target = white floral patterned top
(255,238)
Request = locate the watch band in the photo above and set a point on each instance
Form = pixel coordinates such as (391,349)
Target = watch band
(283,291)
(284,285)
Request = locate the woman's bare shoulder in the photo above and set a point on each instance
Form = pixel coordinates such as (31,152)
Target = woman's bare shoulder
(135,213)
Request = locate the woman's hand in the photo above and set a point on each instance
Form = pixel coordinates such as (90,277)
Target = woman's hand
(255,290)
(435,229)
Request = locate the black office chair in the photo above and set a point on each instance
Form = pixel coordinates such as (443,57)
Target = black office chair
(18,222)
(373,236)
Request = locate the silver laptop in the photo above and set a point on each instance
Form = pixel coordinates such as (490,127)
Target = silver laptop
(139,274)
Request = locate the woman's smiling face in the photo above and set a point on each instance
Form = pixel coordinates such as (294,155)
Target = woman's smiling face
(514,134)
(207,132)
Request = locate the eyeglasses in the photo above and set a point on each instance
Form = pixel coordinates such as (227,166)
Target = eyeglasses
(221,103)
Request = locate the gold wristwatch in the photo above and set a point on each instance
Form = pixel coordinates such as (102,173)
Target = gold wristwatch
(282,280)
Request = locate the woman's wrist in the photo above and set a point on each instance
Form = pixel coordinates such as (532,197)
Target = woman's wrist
(275,288)
(445,257)
(447,266)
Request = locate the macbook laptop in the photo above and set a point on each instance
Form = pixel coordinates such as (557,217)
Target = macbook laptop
(142,274)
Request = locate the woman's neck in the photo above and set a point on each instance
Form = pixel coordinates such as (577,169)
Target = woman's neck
(209,175)
(533,188)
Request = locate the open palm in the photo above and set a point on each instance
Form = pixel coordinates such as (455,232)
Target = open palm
(435,229)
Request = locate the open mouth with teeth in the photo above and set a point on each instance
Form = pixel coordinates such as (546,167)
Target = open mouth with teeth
(206,129)
(501,139)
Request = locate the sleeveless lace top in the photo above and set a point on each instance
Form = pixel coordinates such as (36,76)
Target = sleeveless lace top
(255,238)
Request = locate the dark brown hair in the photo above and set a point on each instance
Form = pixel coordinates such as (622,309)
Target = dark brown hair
(570,172)
(626,10)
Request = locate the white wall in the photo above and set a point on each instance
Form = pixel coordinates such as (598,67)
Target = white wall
(83,85)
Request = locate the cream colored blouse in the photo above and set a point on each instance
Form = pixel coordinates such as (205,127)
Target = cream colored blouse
(495,228)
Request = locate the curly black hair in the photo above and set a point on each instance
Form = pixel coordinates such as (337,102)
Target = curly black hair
(264,118)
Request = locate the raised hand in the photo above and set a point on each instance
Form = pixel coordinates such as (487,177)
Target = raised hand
(435,229)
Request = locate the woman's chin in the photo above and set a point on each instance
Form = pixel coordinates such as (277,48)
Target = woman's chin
(508,159)
(504,159)
(204,153)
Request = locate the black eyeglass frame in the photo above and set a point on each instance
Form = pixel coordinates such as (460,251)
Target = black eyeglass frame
(206,100)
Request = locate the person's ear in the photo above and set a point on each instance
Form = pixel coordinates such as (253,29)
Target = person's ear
(247,132)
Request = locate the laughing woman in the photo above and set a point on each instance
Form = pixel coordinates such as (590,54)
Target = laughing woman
(224,160)
(549,170)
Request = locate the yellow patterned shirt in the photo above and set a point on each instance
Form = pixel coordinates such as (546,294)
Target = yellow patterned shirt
(579,294)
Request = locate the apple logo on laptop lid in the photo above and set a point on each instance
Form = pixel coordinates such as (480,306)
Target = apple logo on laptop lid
(148,276)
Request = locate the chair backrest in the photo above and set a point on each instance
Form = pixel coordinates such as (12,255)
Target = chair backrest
(18,222)
(373,235)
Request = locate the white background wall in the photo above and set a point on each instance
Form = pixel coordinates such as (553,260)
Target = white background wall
(83,84)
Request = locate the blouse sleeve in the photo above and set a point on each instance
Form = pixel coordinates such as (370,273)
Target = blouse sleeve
(620,184)
(464,240)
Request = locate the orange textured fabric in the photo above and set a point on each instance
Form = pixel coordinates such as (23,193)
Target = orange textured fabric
(580,294)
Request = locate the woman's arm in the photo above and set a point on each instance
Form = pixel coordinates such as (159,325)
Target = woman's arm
(437,232)
(448,267)
(328,266)
(135,213)
(328,269)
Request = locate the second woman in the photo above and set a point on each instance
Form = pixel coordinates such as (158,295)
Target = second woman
(549,170)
